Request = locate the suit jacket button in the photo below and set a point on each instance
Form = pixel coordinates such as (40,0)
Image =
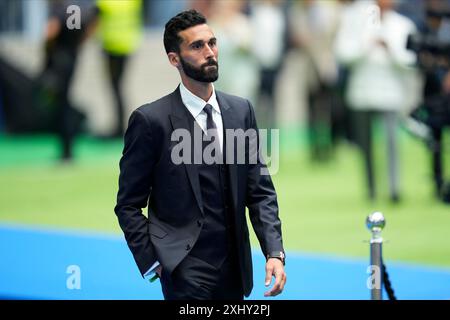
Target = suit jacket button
(188,247)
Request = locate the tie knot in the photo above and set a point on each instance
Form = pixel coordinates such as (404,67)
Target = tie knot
(208,110)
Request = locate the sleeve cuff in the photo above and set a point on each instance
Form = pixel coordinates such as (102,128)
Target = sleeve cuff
(150,272)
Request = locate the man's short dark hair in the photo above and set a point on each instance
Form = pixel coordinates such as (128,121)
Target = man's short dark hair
(182,21)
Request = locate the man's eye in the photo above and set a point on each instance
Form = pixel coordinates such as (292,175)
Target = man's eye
(197,46)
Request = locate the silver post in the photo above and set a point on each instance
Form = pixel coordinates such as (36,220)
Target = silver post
(375,222)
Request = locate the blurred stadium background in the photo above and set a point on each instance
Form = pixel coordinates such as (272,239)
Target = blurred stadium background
(54,214)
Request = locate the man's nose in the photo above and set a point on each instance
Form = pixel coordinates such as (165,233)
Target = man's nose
(209,52)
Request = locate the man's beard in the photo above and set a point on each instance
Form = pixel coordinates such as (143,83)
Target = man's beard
(201,74)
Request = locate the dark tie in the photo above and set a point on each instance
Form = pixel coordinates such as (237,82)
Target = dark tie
(211,126)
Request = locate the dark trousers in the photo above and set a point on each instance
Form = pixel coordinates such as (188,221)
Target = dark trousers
(61,64)
(116,68)
(362,126)
(194,279)
(266,113)
(436,150)
(320,109)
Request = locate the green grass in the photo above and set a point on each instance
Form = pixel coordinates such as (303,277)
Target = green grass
(322,206)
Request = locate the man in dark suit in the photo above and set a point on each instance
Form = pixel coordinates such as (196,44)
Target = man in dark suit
(196,237)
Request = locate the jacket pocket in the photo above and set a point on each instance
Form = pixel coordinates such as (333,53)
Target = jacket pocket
(157,231)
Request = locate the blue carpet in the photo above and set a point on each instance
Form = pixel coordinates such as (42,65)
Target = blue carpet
(34,265)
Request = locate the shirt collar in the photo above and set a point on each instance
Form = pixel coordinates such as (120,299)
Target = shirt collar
(196,104)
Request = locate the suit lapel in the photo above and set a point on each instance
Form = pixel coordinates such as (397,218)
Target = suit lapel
(229,122)
(181,120)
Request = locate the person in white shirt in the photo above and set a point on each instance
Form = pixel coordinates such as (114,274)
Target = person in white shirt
(371,43)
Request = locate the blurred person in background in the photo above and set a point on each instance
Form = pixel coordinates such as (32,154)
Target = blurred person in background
(432,46)
(62,45)
(120,27)
(20,104)
(268,20)
(239,70)
(314,24)
(371,42)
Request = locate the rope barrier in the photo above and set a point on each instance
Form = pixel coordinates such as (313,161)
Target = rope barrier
(387,283)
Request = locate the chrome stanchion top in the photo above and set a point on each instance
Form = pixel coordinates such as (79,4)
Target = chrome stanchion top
(375,222)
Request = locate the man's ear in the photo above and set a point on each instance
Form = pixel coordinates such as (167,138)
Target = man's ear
(174,59)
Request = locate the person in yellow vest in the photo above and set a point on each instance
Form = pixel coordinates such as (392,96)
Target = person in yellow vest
(120,31)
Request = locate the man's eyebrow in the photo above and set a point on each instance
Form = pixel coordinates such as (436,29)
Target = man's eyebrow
(201,41)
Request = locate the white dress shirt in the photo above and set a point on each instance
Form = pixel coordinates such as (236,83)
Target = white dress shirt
(195,106)
(380,79)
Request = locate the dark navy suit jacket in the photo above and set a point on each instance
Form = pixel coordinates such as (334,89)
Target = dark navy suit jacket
(148,178)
